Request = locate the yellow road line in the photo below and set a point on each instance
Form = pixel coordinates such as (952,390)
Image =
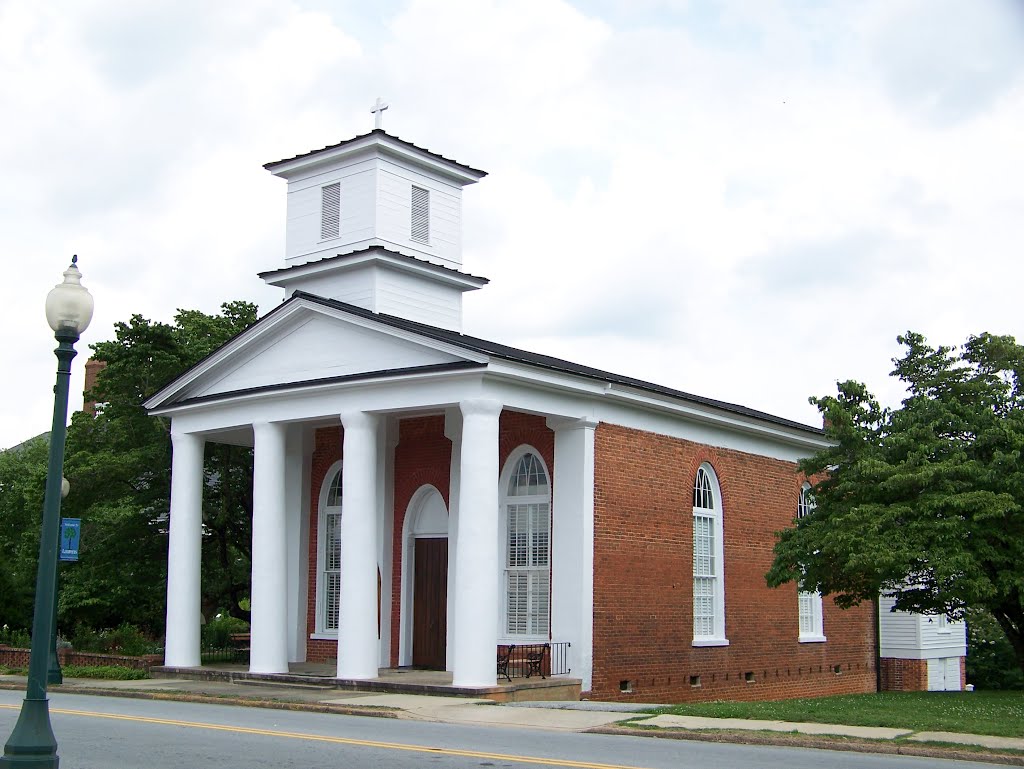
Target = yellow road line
(340,740)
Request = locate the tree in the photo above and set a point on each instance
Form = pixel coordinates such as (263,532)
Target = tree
(118,464)
(923,501)
(22,484)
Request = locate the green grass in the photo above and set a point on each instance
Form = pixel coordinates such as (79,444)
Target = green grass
(999,713)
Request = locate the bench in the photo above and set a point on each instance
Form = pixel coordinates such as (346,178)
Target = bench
(240,643)
(503,658)
(535,661)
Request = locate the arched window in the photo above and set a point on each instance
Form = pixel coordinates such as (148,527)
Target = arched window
(808,604)
(708,561)
(526,514)
(329,557)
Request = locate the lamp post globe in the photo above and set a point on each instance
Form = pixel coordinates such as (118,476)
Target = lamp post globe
(69,308)
(69,305)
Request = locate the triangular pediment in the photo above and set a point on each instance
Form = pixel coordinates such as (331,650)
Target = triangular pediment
(304,344)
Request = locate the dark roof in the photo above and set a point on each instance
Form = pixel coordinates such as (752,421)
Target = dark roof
(377,132)
(396,254)
(505,352)
(19,446)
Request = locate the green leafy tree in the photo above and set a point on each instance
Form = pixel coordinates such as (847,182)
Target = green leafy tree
(118,464)
(990,660)
(22,484)
(923,501)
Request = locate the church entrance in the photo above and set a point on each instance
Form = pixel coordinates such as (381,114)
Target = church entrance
(430,603)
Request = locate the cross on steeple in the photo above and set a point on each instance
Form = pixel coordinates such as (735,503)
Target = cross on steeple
(378,113)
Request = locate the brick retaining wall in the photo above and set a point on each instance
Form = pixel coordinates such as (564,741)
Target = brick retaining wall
(18,658)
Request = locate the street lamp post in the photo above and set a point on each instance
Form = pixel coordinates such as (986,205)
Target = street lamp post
(69,308)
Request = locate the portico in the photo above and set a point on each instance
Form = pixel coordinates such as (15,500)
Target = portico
(377,560)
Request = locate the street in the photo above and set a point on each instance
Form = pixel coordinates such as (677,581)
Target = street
(109,732)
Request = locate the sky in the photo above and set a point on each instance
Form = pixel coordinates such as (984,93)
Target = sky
(744,200)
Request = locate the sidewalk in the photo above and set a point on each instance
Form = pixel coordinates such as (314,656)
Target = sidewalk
(559,716)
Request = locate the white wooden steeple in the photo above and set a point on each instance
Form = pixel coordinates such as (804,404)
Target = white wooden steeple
(377,222)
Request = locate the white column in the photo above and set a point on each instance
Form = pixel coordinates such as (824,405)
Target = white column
(476,555)
(572,543)
(297,472)
(269,630)
(453,432)
(357,620)
(388,441)
(184,547)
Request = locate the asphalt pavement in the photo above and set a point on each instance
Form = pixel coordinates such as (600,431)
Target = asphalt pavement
(558,716)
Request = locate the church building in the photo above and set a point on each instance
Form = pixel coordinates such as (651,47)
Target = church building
(426,498)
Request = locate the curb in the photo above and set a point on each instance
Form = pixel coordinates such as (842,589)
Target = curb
(269,704)
(850,744)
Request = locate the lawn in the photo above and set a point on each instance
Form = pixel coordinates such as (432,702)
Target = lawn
(981,712)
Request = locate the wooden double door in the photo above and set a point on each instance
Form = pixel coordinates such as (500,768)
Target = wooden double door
(430,603)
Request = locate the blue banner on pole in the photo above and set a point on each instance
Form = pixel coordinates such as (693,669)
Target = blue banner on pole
(70,533)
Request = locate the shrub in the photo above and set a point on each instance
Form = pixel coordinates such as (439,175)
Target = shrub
(217,632)
(125,639)
(20,639)
(109,672)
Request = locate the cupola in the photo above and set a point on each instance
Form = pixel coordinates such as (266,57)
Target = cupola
(376,221)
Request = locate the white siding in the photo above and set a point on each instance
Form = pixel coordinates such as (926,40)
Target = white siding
(917,636)
(356,286)
(394,201)
(947,639)
(418,299)
(302,238)
(319,348)
(389,291)
(899,631)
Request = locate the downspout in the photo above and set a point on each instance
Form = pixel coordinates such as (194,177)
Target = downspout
(878,645)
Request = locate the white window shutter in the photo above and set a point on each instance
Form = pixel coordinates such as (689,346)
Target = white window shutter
(420,215)
(332,569)
(330,211)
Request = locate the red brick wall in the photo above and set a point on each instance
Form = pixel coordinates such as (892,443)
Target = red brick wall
(516,428)
(910,675)
(92,369)
(423,455)
(643,584)
(14,657)
(326,451)
(904,675)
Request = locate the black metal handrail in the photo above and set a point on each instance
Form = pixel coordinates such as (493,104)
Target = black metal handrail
(534,660)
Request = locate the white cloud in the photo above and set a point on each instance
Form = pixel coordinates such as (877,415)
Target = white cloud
(745,201)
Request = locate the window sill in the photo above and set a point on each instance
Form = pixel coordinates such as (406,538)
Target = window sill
(710,642)
(812,639)
(523,640)
(324,636)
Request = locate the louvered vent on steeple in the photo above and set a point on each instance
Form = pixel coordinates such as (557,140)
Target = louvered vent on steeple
(420,215)
(376,222)
(330,211)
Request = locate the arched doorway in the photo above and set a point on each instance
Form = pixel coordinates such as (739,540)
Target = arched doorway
(425,580)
